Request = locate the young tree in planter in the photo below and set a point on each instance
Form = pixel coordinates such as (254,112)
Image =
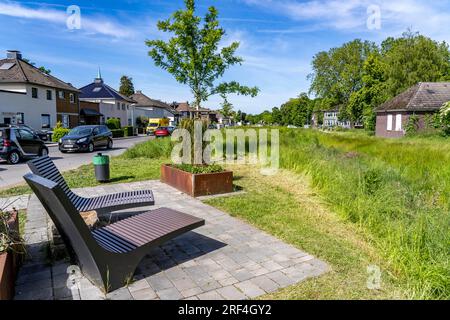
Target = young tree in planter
(126,86)
(193,55)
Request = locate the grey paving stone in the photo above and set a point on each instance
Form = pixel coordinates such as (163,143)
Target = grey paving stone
(159,282)
(144,294)
(231,293)
(169,294)
(250,289)
(225,256)
(211,295)
(120,294)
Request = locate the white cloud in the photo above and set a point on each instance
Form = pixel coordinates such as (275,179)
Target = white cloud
(94,25)
(427,17)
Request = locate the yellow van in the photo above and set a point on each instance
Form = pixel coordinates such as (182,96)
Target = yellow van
(155,123)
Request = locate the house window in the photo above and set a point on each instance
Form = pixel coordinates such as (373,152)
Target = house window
(389,122)
(45,120)
(20,118)
(61,95)
(34,93)
(65,120)
(398,122)
(49,95)
(123,106)
(118,106)
(72,98)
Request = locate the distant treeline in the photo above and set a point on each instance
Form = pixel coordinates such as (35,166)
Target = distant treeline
(360,75)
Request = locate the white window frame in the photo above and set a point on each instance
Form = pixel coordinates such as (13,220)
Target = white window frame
(61,95)
(398,122)
(390,120)
(65,120)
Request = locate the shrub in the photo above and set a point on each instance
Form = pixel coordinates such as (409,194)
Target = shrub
(9,238)
(113,124)
(118,133)
(128,131)
(413,125)
(58,133)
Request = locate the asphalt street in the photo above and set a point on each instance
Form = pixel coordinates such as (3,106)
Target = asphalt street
(11,175)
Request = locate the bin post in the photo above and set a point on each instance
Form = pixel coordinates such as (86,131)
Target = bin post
(101,166)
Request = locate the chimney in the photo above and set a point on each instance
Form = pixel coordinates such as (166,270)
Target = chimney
(13,54)
(139,92)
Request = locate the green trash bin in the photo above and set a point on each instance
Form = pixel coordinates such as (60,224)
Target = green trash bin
(101,166)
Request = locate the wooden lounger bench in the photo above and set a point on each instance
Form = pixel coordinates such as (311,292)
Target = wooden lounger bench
(45,168)
(109,256)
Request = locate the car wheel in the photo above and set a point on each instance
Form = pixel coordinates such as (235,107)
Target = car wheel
(43,152)
(91,147)
(110,144)
(14,158)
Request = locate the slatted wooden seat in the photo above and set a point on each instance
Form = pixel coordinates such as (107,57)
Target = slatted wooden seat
(110,255)
(45,168)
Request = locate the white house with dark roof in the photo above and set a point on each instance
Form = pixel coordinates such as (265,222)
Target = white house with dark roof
(153,109)
(29,96)
(112,104)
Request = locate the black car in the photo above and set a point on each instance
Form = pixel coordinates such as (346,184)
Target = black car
(40,133)
(20,143)
(86,138)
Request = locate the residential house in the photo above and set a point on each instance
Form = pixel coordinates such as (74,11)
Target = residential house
(32,97)
(90,113)
(153,109)
(331,119)
(423,99)
(186,111)
(112,104)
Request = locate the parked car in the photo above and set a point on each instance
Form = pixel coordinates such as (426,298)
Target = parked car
(86,139)
(20,143)
(171,129)
(162,132)
(43,135)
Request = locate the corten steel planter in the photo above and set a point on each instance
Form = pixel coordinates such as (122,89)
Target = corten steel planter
(197,185)
(9,265)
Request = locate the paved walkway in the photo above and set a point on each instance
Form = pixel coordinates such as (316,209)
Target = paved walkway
(225,259)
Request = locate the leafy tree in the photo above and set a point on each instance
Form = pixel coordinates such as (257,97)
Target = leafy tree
(362,104)
(338,73)
(414,58)
(227,107)
(193,55)
(126,86)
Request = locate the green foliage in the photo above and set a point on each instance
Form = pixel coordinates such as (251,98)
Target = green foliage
(126,86)
(413,125)
(59,132)
(227,107)
(128,131)
(445,118)
(195,169)
(414,58)
(153,149)
(395,190)
(193,55)
(337,73)
(10,239)
(142,121)
(113,124)
(118,133)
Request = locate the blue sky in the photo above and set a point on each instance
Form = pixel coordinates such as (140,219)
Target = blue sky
(278,39)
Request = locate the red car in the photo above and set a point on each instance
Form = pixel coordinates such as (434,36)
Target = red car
(162,132)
